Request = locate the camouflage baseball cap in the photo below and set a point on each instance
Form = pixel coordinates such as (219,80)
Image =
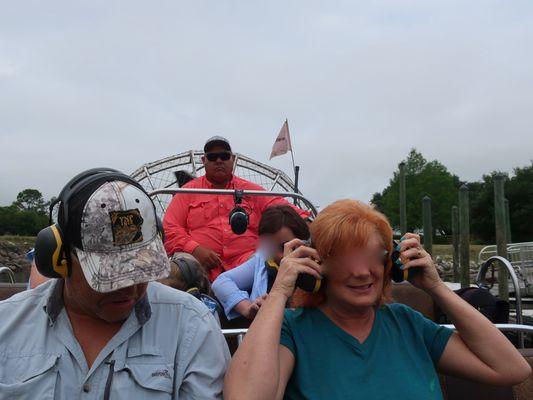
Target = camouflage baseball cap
(119,243)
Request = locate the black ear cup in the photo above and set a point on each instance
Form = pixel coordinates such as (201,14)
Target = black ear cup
(305,282)
(50,253)
(238,220)
(190,275)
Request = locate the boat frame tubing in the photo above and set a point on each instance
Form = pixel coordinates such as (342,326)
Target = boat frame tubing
(232,192)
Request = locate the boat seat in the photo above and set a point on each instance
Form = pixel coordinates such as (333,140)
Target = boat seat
(459,389)
(415,298)
(9,289)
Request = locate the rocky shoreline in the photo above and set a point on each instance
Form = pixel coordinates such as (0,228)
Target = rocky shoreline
(13,255)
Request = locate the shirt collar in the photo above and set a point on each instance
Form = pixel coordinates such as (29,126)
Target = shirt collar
(228,186)
(54,305)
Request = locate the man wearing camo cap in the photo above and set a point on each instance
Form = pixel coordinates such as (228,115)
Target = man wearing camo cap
(107,331)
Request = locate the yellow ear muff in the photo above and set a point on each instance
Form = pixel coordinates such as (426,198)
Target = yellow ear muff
(49,253)
(59,262)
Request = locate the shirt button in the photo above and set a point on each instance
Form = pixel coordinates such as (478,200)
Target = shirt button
(86,388)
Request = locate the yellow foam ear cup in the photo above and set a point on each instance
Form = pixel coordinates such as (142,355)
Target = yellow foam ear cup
(49,253)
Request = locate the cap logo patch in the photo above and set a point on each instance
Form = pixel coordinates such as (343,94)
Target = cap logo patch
(126,227)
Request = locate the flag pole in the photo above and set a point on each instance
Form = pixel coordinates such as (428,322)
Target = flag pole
(292,153)
(294,167)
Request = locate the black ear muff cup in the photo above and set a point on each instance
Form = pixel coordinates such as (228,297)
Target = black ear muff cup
(50,254)
(238,220)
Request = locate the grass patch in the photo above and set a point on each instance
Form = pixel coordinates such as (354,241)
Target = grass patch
(18,240)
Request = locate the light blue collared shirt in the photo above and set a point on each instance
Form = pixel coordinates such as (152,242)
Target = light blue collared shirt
(170,347)
(248,281)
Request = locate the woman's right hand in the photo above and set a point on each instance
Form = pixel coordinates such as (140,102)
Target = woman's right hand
(297,259)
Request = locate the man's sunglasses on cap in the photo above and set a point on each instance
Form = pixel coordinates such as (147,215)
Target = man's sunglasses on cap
(223,155)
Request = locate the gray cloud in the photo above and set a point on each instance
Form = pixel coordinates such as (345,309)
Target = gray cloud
(102,83)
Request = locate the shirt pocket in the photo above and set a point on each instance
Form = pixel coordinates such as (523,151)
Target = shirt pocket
(28,377)
(200,213)
(152,375)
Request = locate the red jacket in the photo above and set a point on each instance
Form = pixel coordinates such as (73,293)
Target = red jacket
(193,220)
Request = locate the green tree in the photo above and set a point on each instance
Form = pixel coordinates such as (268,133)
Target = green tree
(30,200)
(519,192)
(421,178)
(26,216)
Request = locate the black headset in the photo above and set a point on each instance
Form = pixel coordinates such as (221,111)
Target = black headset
(238,217)
(190,275)
(52,247)
(309,283)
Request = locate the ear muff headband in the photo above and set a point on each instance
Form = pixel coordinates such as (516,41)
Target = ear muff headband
(188,273)
(52,256)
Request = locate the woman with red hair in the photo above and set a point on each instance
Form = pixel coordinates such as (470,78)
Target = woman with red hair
(346,342)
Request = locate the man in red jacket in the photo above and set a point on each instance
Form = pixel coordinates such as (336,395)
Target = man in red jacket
(199,223)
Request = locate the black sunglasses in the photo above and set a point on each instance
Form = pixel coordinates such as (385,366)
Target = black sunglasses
(224,156)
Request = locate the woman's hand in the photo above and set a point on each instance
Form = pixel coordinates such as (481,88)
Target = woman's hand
(297,259)
(412,255)
(251,309)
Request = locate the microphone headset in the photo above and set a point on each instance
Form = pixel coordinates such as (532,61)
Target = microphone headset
(52,246)
(311,284)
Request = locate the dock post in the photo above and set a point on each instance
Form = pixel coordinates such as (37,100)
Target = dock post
(428,227)
(403,201)
(464,241)
(501,242)
(455,243)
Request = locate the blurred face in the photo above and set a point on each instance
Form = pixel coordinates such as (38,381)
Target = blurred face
(355,278)
(218,163)
(274,242)
(114,306)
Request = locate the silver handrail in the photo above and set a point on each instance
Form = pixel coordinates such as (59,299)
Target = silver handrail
(231,192)
(9,271)
(520,328)
(518,297)
(505,328)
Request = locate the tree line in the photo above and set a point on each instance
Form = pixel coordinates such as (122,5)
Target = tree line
(26,216)
(433,179)
(29,212)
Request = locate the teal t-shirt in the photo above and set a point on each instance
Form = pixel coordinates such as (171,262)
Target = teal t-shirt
(396,361)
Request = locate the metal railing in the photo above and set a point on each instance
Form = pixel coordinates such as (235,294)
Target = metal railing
(520,255)
(9,272)
(520,328)
(481,281)
(230,192)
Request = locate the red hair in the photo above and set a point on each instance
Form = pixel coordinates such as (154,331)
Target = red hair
(341,226)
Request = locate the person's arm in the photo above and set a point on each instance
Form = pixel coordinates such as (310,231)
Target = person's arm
(231,288)
(261,367)
(35,276)
(174,224)
(478,351)
(202,360)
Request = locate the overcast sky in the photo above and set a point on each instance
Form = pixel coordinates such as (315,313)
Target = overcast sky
(120,84)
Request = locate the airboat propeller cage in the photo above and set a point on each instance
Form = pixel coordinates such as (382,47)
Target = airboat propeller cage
(159,175)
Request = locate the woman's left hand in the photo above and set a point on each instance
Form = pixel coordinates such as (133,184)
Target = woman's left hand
(423,273)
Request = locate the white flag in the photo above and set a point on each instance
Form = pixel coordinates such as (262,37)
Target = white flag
(283,142)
